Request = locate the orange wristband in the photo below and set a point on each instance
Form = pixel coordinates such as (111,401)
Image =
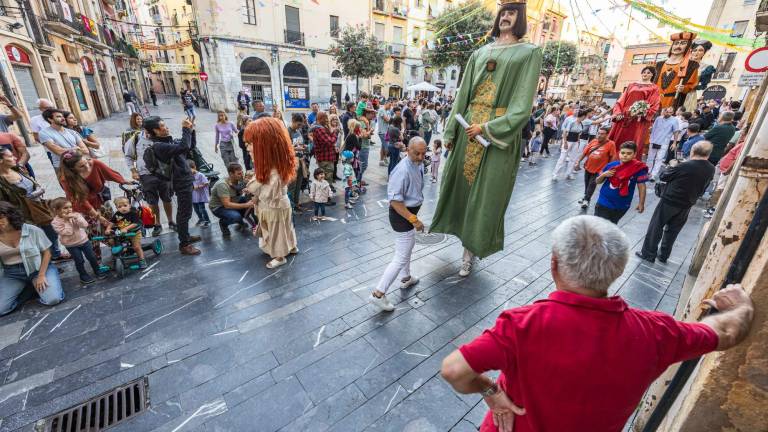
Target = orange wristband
(413,219)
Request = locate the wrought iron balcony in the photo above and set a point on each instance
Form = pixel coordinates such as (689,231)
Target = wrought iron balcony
(396,49)
(294,37)
(60,16)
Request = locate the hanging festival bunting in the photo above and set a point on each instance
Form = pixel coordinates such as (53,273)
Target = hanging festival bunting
(714,35)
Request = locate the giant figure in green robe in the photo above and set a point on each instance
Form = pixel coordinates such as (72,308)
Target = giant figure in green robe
(495,98)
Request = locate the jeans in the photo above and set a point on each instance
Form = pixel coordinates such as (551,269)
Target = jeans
(190,111)
(183,211)
(319,209)
(201,212)
(14,281)
(589,184)
(612,215)
(228,216)
(80,254)
(428,137)
(548,134)
(401,261)
(566,160)
(394,158)
(665,225)
(54,238)
(363,156)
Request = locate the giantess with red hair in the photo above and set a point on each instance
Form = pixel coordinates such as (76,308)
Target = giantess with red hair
(274,165)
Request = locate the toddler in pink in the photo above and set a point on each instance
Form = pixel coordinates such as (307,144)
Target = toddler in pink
(71,227)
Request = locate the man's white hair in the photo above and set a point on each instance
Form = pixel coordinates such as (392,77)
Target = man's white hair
(591,252)
(46,102)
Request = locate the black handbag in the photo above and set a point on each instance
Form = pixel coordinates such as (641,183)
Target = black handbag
(105,194)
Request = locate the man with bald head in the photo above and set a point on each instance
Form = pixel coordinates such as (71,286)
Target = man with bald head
(404,192)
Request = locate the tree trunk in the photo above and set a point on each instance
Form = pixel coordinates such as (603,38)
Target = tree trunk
(357,87)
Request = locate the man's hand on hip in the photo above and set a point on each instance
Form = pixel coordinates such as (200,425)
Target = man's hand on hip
(504,411)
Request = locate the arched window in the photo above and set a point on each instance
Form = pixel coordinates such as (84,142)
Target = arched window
(336,74)
(453,74)
(296,82)
(256,79)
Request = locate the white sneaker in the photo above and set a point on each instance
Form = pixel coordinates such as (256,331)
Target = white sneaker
(581,201)
(382,303)
(570,177)
(554,178)
(409,283)
(584,204)
(466,269)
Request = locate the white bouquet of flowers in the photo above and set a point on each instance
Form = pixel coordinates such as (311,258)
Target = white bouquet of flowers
(639,109)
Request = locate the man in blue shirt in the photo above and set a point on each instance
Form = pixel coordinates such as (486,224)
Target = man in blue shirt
(405,194)
(693,137)
(663,131)
(619,179)
(312,117)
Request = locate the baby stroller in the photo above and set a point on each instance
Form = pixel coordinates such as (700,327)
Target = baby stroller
(136,198)
(202,165)
(123,255)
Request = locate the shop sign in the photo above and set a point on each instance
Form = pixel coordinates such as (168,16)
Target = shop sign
(17,55)
(173,67)
(296,97)
(70,53)
(87,65)
(714,92)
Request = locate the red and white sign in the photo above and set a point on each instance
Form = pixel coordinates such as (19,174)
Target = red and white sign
(757,60)
(203,76)
(87,65)
(17,55)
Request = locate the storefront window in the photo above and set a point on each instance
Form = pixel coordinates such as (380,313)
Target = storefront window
(79,94)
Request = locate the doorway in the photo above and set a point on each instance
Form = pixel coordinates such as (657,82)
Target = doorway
(91,82)
(336,90)
(57,94)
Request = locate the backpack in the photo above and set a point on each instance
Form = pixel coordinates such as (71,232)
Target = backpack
(155,165)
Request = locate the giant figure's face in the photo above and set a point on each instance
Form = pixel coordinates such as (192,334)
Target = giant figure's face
(507,20)
(679,47)
(697,53)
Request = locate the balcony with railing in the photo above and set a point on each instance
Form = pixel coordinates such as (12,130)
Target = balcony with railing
(393,8)
(722,75)
(396,49)
(761,17)
(91,31)
(294,37)
(60,16)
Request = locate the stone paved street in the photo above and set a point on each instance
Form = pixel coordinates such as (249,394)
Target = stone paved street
(228,345)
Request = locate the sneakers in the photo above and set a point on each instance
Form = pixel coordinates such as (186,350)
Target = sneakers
(173,226)
(102,275)
(411,281)
(434,180)
(466,269)
(224,229)
(381,303)
(157,230)
(554,178)
(643,257)
(142,264)
(584,203)
(87,280)
(205,224)
(570,177)
(189,250)
(708,213)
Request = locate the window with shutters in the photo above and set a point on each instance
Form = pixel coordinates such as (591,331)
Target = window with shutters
(396,66)
(378,31)
(334,26)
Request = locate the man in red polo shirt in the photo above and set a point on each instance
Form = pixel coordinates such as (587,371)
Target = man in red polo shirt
(580,360)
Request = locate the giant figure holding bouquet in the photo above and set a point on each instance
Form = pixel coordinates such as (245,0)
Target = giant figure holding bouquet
(495,98)
(634,112)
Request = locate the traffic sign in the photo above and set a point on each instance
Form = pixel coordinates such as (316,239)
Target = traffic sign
(203,76)
(757,60)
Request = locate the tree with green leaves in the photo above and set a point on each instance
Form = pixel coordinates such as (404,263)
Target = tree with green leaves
(358,53)
(558,57)
(451,27)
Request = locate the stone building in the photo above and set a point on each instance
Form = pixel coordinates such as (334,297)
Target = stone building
(588,78)
(70,53)
(276,52)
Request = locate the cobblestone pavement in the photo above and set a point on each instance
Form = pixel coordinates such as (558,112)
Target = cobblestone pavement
(228,345)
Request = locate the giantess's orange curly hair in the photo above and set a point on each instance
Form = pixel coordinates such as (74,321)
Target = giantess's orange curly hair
(272,149)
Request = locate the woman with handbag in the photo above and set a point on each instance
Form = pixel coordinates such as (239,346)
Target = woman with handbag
(84,181)
(26,194)
(89,138)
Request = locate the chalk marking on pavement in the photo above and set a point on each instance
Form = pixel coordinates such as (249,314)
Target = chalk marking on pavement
(65,318)
(22,355)
(389,405)
(332,219)
(380,204)
(415,354)
(126,365)
(382,201)
(173,361)
(336,238)
(365,210)
(319,334)
(206,410)
(29,332)
(161,317)
(293,258)
(308,249)
(360,289)
(245,288)
(370,364)
(146,274)
(226,332)
(224,261)
(243,276)
(150,267)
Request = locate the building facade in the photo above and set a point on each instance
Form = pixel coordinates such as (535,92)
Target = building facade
(389,24)
(739,17)
(636,57)
(588,78)
(277,53)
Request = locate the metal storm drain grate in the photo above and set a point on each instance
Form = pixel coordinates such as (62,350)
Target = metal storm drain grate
(103,411)
(430,239)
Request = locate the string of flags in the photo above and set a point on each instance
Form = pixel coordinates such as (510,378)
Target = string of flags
(458,40)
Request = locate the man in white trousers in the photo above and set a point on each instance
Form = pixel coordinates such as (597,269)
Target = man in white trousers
(569,150)
(404,191)
(664,130)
